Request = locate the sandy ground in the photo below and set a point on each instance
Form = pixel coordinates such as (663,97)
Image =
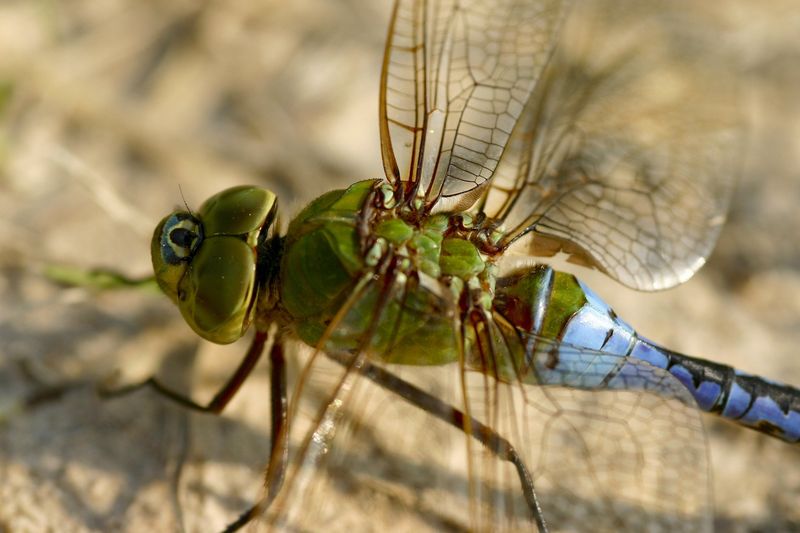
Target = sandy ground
(107,107)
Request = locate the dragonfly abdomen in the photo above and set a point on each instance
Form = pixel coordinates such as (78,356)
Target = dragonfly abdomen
(578,340)
(752,401)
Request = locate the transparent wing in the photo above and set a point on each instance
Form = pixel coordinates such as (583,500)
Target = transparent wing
(349,432)
(626,153)
(610,444)
(613,443)
(456,76)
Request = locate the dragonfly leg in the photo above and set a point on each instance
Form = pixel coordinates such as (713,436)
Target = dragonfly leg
(279,453)
(279,456)
(496,443)
(220,400)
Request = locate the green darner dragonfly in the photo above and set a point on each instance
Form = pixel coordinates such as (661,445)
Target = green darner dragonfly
(514,144)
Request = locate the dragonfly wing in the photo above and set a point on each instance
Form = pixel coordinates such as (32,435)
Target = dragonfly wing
(613,444)
(362,456)
(607,441)
(456,76)
(601,460)
(625,155)
(642,431)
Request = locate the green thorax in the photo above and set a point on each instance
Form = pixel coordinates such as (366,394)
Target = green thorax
(338,239)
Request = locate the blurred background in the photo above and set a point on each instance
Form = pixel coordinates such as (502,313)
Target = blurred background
(112,112)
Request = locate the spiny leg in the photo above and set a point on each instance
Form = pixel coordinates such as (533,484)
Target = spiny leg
(497,444)
(280,417)
(104,279)
(502,445)
(355,362)
(221,398)
(279,451)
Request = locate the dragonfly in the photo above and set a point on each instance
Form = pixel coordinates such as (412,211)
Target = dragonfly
(510,131)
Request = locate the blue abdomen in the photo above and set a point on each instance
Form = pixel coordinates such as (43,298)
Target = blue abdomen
(580,341)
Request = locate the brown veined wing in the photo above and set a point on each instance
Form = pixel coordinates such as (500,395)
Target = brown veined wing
(384,446)
(626,153)
(456,77)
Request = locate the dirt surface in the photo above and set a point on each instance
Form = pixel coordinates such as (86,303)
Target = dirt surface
(107,107)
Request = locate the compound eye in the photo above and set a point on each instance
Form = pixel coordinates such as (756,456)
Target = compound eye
(180,238)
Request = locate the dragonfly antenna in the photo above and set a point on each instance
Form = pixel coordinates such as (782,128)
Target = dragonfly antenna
(185,204)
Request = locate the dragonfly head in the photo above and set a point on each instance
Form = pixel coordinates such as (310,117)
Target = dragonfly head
(206,262)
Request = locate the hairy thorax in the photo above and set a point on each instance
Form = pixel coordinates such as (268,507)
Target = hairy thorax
(367,277)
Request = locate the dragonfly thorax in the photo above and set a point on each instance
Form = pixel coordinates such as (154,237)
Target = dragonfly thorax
(351,250)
